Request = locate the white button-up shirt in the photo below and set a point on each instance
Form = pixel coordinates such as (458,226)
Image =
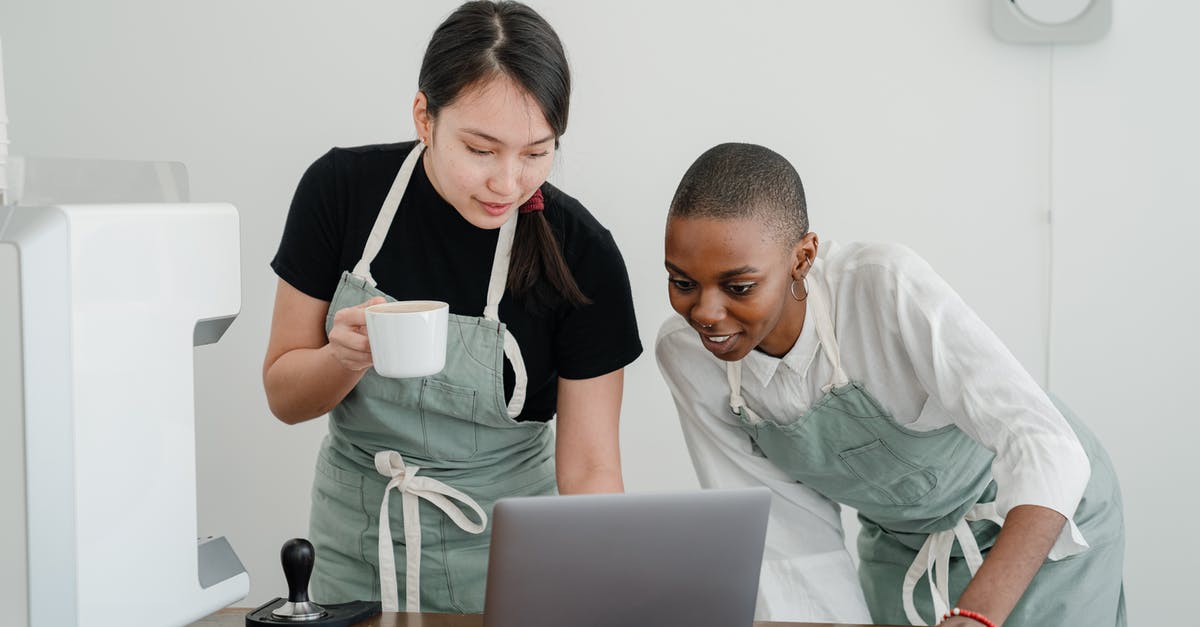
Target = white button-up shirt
(912,342)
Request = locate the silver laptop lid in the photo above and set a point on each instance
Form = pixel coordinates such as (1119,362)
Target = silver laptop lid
(686,559)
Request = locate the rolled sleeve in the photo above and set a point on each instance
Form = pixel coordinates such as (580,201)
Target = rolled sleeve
(965,367)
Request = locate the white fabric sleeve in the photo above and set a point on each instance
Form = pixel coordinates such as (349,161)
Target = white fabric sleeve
(807,573)
(965,368)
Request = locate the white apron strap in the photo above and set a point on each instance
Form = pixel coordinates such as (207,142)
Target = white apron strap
(412,488)
(383,222)
(933,562)
(491,311)
(825,333)
(733,372)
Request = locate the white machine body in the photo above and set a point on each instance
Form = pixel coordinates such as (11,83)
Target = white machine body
(113,298)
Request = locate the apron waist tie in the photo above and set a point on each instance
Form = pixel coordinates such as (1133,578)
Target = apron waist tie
(934,560)
(413,488)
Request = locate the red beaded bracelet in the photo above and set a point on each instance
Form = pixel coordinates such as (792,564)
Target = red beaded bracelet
(975,616)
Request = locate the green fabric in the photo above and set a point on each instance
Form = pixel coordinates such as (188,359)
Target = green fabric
(907,484)
(455,426)
(851,450)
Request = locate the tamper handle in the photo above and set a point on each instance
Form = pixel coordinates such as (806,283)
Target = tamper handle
(297,556)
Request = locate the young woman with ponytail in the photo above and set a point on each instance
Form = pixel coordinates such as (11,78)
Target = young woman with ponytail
(541,322)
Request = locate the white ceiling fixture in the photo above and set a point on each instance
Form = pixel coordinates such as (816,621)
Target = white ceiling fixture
(1052,12)
(1051,21)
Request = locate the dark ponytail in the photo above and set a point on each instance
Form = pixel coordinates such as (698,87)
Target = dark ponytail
(535,255)
(484,39)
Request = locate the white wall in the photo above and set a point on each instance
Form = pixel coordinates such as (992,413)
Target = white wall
(1127,283)
(908,120)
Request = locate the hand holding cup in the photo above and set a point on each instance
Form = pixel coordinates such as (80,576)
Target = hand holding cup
(348,336)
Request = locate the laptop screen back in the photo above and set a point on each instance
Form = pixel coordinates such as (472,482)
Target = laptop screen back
(679,559)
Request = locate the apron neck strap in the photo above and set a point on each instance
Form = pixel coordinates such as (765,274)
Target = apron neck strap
(383,222)
(499,278)
(819,308)
(491,311)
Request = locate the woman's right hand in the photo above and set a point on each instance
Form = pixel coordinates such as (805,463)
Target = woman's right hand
(348,342)
(307,371)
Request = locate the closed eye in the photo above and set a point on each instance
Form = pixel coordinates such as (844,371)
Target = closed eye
(682,285)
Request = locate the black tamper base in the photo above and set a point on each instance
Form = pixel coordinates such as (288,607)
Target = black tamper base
(336,615)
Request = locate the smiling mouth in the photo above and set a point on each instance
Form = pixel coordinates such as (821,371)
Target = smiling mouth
(717,343)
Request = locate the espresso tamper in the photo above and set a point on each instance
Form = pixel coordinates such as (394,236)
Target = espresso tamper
(298,556)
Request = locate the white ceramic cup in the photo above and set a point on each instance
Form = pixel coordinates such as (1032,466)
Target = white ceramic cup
(408,338)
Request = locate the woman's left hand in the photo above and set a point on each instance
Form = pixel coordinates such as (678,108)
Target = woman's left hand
(1020,550)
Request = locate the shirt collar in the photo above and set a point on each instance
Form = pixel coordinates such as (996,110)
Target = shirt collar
(797,360)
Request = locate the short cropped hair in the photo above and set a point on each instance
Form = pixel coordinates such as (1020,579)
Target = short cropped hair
(738,181)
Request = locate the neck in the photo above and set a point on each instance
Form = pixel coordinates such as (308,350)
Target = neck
(783,337)
(430,174)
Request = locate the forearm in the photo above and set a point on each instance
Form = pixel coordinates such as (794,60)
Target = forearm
(1021,548)
(588,451)
(305,383)
(589,479)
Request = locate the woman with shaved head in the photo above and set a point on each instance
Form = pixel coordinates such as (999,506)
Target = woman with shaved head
(854,374)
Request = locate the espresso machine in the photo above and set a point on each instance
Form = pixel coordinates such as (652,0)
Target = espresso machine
(109,279)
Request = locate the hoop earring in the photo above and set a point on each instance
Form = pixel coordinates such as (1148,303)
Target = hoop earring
(792,289)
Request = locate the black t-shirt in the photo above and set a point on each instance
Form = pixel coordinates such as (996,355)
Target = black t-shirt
(432,253)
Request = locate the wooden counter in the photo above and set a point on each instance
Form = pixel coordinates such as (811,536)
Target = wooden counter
(235,617)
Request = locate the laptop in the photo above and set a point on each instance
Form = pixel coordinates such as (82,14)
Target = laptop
(686,559)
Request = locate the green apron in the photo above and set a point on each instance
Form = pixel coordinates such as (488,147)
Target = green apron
(926,503)
(436,440)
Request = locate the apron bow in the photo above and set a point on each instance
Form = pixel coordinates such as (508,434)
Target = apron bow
(933,561)
(413,488)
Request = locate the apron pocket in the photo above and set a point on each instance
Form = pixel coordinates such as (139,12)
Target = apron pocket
(448,421)
(341,531)
(347,478)
(902,482)
(466,569)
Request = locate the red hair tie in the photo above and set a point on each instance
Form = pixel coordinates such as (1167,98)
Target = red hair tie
(535,203)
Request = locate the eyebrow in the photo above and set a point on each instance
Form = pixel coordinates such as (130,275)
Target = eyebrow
(485,136)
(724,275)
(736,271)
(674,268)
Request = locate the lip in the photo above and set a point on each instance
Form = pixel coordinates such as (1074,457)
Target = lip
(719,346)
(495,208)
